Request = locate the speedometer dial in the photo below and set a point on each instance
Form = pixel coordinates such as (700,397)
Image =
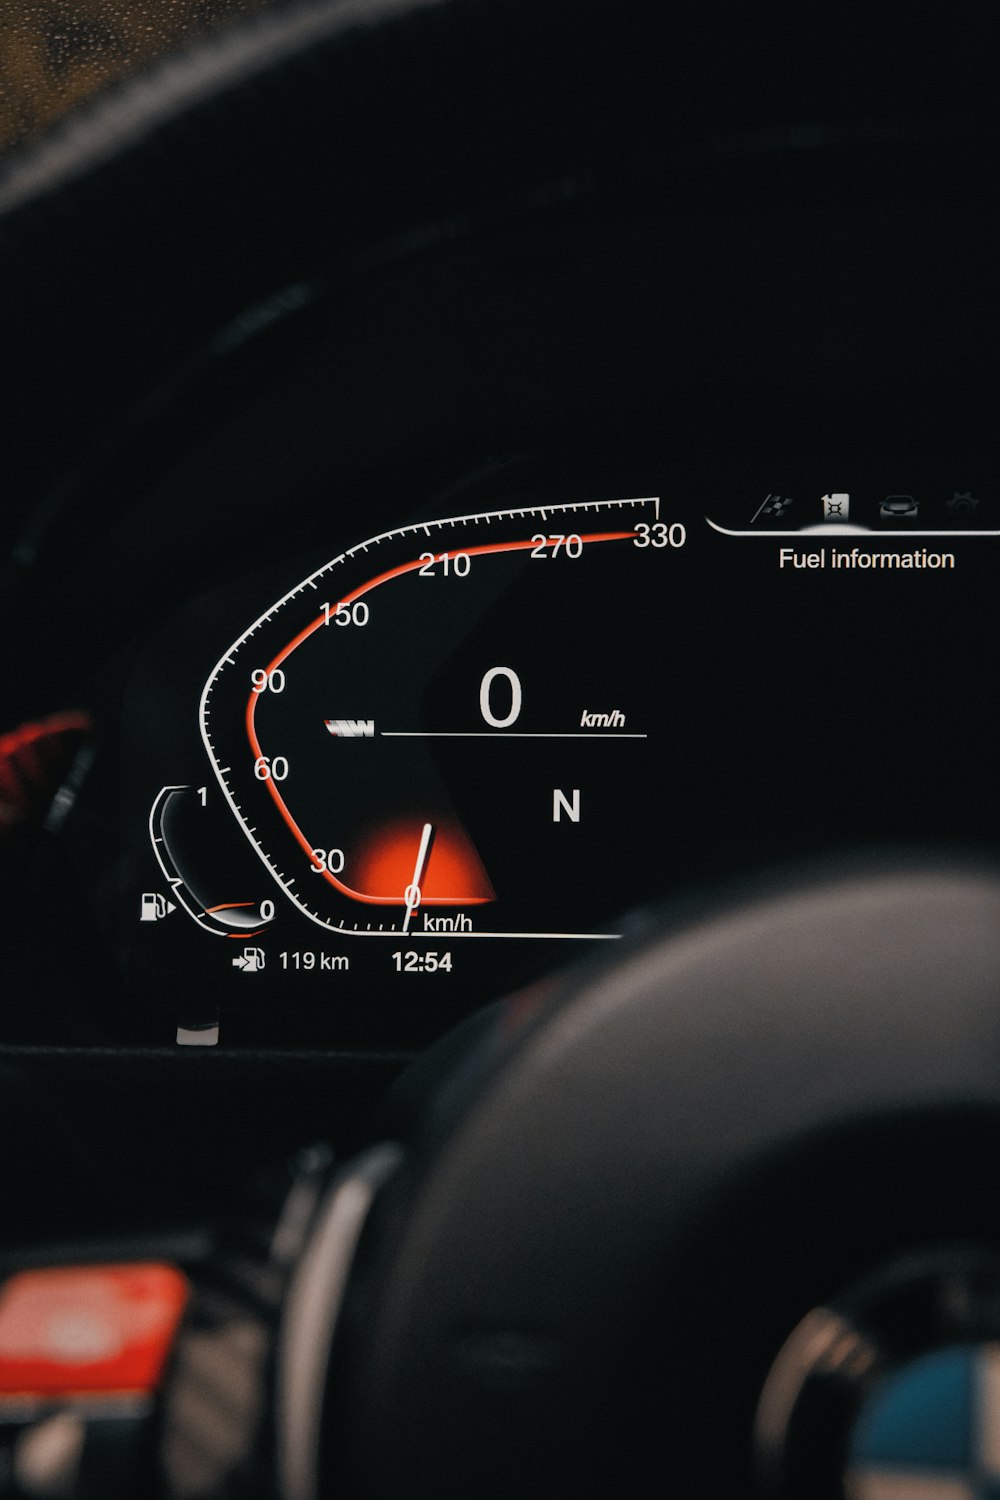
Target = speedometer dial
(448,728)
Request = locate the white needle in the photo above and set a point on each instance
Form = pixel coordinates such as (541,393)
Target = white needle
(412,894)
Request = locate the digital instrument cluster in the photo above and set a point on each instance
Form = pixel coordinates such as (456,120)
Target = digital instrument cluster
(432,767)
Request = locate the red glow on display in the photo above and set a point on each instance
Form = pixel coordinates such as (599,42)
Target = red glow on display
(454,873)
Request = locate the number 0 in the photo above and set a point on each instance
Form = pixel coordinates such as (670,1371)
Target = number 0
(515,697)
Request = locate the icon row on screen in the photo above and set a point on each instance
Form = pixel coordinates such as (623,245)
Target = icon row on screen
(954,507)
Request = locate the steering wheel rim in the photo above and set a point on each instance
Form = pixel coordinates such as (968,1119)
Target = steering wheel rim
(566,1208)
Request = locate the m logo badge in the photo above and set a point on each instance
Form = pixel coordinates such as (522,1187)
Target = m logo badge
(351,729)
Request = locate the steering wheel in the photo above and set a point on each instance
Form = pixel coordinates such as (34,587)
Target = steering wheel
(686,1218)
(586,1255)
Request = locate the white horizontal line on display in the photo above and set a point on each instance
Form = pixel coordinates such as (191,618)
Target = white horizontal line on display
(505,734)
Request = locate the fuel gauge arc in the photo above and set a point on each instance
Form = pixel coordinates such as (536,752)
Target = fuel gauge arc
(233,919)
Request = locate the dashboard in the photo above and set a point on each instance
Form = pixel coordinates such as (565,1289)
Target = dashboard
(361,794)
(436,565)
(380,741)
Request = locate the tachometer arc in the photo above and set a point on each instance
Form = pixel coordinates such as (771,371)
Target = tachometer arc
(320,622)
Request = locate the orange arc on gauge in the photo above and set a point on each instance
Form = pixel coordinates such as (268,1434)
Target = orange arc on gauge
(303,635)
(244,932)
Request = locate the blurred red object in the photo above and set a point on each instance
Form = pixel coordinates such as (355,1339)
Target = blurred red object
(33,761)
(88,1329)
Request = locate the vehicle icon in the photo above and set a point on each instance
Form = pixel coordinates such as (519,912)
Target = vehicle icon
(898,507)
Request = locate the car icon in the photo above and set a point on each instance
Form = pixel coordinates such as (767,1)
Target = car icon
(896,507)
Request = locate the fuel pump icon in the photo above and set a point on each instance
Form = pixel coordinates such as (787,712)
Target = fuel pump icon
(153,907)
(251,960)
